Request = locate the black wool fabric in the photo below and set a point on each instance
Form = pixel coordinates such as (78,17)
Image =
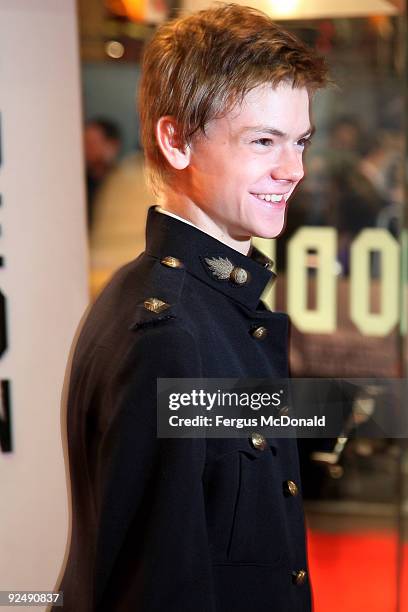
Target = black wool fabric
(178,525)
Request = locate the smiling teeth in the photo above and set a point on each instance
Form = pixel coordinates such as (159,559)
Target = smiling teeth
(270,197)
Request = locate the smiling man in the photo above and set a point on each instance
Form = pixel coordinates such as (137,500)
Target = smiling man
(240,172)
(188,525)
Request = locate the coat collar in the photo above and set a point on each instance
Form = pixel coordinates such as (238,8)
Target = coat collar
(241,277)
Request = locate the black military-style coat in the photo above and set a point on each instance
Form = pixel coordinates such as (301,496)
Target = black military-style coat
(170,525)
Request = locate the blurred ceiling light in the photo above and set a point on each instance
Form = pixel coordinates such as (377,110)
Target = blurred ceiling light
(114,49)
(139,11)
(284,8)
(131,9)
(309,9)
(135,9)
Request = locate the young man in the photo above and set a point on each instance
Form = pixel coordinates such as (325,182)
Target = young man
(189,525)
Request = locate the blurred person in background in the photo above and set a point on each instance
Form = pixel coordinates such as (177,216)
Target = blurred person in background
(118,229)
(102,143)
(193,524)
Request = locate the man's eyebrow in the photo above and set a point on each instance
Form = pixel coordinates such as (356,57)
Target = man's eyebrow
(275,132)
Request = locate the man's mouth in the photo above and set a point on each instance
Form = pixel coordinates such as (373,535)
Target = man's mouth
(272,197)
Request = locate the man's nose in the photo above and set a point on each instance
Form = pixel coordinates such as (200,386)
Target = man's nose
(290,166)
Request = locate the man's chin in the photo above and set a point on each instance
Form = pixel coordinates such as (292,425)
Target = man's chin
(271,231)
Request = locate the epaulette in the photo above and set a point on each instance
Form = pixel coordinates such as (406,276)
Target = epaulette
(161,295)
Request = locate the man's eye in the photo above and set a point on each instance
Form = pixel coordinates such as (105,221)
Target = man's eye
(265,142)
(304,142)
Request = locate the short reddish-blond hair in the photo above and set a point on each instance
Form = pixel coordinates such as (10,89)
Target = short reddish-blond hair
(198,67)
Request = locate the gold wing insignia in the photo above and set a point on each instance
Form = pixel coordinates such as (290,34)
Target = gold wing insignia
(221,267)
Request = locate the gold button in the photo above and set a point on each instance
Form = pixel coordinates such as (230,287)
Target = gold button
(258,441)
(291,488)
(155,305)
(299,577)
(239,276)
(171,262)
(284,411)
(260,332)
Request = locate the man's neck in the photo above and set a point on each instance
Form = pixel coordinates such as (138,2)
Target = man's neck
(182,207)
(172,214)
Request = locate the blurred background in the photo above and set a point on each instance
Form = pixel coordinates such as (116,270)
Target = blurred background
(342,263)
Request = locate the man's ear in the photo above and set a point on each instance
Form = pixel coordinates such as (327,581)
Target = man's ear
(173,148)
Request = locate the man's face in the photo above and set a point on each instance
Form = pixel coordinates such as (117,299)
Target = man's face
(246,166)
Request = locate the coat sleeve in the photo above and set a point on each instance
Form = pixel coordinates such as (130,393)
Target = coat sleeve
(152,551)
